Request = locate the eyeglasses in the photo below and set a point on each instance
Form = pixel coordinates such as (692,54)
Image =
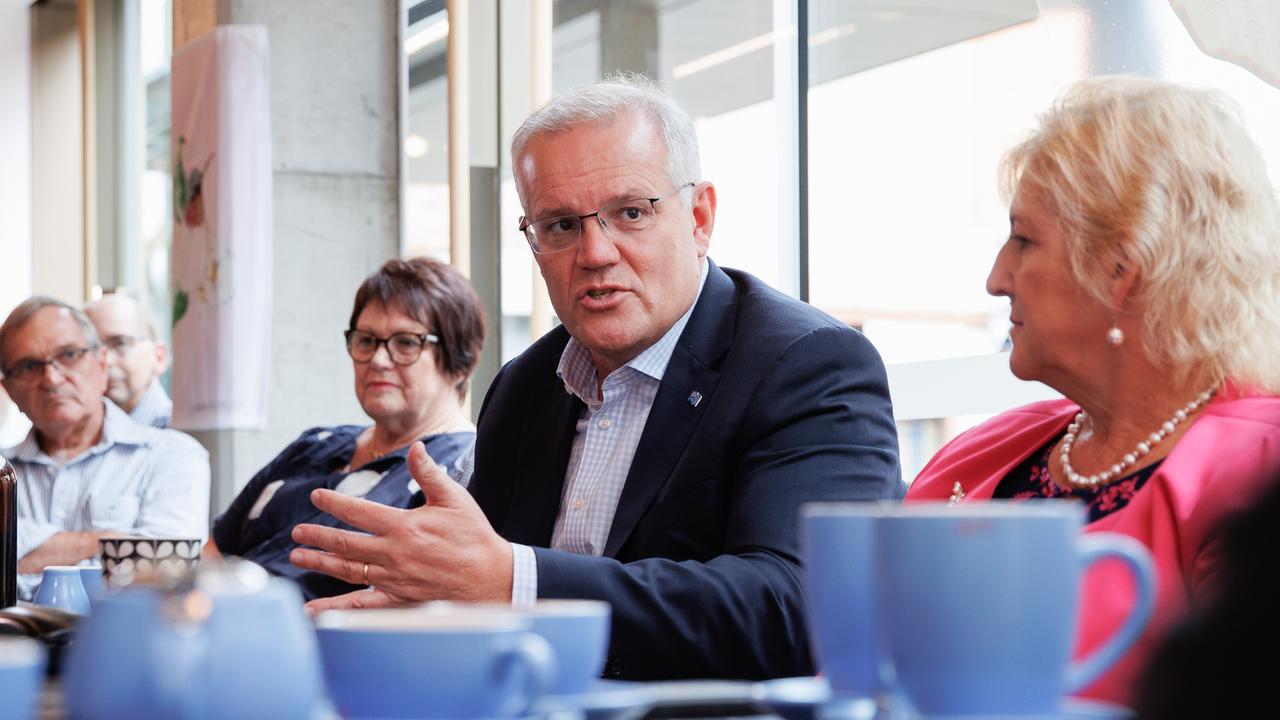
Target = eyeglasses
(402,348)
(66,360)
(121,344)
(621,219)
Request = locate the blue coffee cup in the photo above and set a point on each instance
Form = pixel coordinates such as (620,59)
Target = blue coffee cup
(94,582)
(977,604)
(21,677)
(415,662)
(62,588)
(837,542)
(577,630)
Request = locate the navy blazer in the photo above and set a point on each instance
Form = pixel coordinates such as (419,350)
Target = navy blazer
(702,565)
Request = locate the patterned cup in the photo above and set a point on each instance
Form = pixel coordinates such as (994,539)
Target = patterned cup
(147,561)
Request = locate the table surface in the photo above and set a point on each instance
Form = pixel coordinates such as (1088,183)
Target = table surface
(53,707)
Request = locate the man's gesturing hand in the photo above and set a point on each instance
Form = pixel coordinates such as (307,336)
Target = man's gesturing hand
(444,550)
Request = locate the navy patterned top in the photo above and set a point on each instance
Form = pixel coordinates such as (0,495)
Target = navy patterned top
(258,524)
(1031,479)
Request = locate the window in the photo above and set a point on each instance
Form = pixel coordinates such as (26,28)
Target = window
(908,109)
(905,218)
(426,143)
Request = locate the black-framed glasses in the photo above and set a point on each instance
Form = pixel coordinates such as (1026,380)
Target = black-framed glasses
(67,360)
(403,348)
(620,219)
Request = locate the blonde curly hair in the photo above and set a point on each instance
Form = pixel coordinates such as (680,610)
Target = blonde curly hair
(1164,178)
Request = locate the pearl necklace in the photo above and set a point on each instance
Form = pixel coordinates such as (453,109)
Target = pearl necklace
(1076,480)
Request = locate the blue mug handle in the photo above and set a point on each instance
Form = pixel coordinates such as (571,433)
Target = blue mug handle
(537,664)
(1094,547)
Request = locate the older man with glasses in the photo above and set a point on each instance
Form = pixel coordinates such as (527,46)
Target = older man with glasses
(135,358)
(87,470)
(655,449)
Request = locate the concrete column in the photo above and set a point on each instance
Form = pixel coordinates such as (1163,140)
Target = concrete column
(335,153)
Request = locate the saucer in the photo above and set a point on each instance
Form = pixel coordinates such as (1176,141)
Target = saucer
(1072,709)
(603,700)
(622,700)
(811,698)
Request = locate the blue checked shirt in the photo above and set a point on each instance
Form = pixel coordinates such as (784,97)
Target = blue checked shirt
(605,441)
(137,480)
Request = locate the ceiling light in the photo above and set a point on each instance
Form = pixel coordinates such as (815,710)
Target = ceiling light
(416,146)
(826,36)
(759,42)
(724,55)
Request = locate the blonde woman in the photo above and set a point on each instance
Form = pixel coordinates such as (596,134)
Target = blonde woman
(1143,275)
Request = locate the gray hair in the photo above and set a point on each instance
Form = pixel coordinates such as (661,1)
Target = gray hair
(605,101)
(34,304)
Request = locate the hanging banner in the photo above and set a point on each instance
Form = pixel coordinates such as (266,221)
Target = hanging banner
(222,235)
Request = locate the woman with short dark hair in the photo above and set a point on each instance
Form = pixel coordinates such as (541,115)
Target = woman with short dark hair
(414,338)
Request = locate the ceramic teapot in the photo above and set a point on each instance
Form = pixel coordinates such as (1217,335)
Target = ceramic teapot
(234,643)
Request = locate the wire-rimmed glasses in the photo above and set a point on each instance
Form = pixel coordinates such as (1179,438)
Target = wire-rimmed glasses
(620,219)
(67,360)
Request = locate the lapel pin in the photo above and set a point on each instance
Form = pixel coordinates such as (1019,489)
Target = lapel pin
(694,398)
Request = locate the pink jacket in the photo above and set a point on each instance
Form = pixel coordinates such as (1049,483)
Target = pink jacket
(1228,455)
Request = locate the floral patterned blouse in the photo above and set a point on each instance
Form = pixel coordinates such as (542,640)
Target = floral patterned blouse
(1031,479)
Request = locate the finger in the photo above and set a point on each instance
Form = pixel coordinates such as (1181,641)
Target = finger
(436,484)
(351,571)
(364,514)
(356,600)
(347,544)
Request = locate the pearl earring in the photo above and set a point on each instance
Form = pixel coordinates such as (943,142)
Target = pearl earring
(1115,336)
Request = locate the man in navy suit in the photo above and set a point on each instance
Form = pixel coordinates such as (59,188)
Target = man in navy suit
(655,449)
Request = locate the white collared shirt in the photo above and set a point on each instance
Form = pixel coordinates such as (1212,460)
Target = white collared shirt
(136,480)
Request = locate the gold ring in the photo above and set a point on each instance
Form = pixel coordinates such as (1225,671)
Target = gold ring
(365,573)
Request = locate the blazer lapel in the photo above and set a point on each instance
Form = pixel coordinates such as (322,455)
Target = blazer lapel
(541,462)
(694,368)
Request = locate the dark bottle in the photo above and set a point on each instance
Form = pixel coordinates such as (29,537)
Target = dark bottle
(8,534)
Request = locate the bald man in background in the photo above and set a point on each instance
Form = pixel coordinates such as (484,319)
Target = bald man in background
(135,358)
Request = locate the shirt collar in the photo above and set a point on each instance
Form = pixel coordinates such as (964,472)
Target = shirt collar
(155,396)
(578,371)
(117,429)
